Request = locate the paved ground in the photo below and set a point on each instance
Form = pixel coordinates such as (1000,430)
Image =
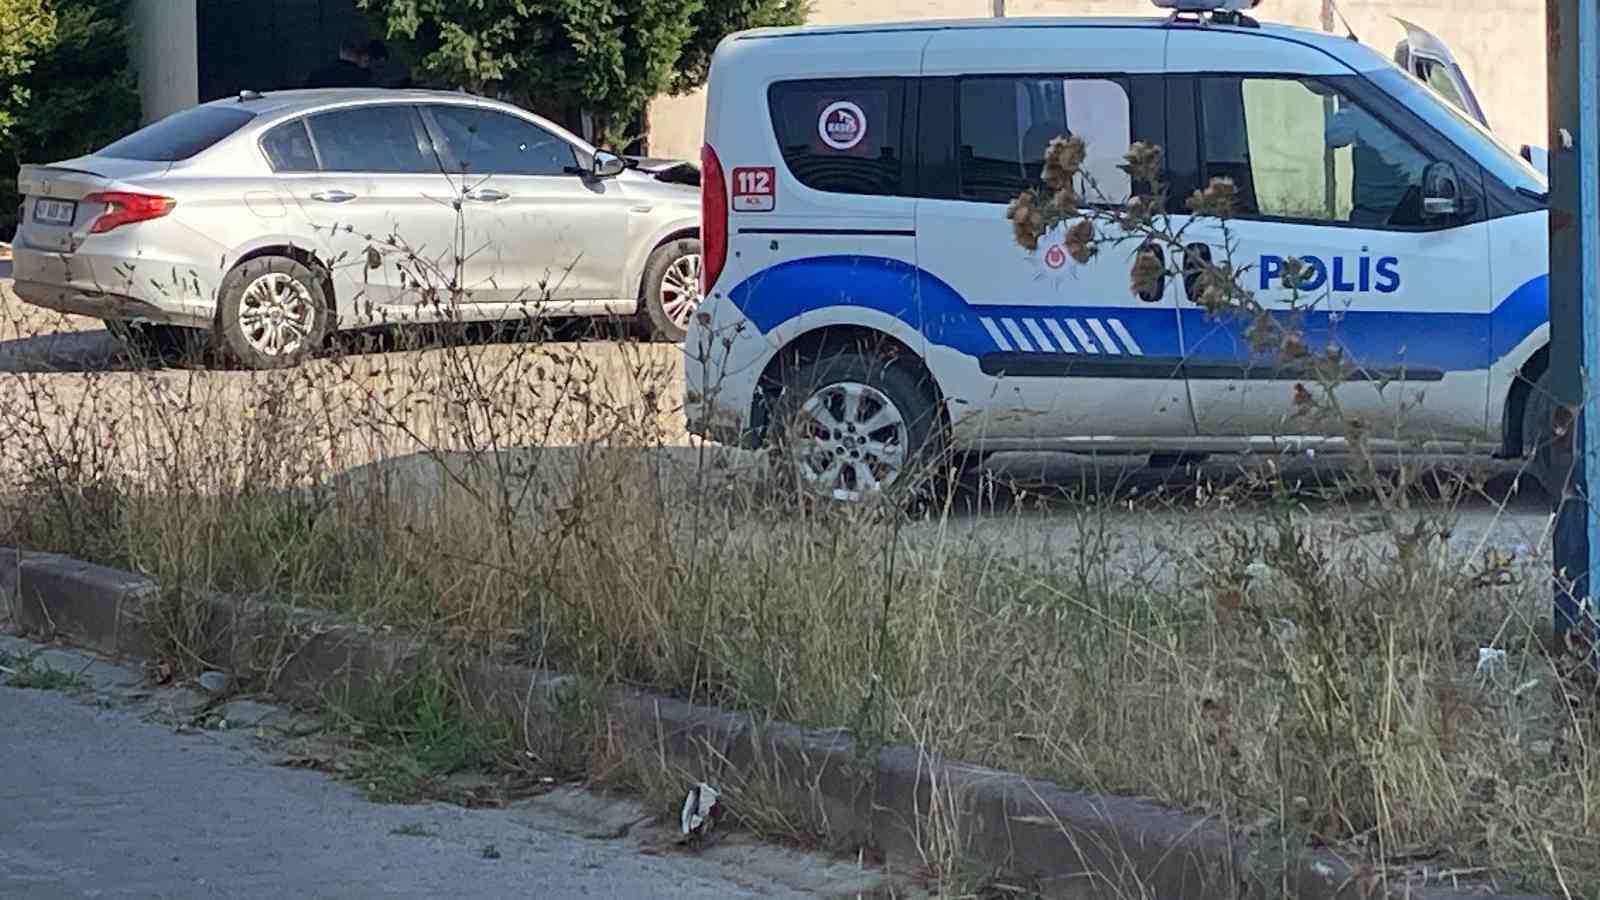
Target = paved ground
(105,798)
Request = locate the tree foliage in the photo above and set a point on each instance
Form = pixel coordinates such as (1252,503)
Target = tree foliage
(567,58)
(77,91)
(718,19)
(26,28)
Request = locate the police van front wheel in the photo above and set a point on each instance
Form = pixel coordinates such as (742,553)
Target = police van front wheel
(856,427)
(1549,455)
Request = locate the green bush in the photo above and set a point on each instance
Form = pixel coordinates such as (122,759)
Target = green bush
(564,58)
(73,94)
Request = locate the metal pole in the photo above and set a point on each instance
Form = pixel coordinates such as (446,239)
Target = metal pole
(1573,29)
(999,9)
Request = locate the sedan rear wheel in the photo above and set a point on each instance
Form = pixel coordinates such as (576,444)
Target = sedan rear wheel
(272,313)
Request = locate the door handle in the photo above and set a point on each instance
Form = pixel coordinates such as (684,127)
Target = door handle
(1158,290)
(334,196)
(1196,260)
(487,195)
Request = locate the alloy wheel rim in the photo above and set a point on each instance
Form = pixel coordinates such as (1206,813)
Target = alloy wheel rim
(850,442)
(276,314)
(680,289)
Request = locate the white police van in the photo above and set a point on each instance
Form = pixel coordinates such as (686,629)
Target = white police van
(867,306)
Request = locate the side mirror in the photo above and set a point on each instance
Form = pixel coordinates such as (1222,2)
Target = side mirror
(1441,192)
(606,165)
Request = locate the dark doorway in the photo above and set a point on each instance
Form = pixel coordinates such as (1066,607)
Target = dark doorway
(265,45)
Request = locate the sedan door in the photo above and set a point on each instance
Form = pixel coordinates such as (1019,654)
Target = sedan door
(369,190)
(537,229)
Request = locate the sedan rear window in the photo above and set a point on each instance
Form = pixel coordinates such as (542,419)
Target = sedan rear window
(180,135)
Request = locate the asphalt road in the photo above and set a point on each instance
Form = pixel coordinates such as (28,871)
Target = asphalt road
(100,796)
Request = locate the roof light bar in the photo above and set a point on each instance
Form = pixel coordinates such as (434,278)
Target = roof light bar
(1207,6)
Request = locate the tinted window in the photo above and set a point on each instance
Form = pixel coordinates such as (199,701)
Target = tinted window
(373,139)
(1460,129)
(288,148)
(1006,124)
(842,135)
(1437,76)
(488,142)
(180,135)
(1301,150)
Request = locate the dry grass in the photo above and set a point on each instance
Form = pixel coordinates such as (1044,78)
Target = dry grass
(537,500)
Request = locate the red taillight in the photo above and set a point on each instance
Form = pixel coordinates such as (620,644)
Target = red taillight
(713,219)
(125,208)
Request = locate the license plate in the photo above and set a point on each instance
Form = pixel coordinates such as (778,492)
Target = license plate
(54,212)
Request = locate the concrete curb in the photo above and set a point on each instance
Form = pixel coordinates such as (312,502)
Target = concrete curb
(910,806)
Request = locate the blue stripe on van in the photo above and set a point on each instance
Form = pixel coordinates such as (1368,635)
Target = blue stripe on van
(1449,342)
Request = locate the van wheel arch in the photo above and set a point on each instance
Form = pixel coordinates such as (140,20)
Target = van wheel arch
(820,342)
(1513,443)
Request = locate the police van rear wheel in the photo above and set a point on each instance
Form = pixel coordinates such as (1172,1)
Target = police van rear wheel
(856,427)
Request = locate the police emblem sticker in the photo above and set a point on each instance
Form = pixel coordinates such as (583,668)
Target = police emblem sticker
(842,125)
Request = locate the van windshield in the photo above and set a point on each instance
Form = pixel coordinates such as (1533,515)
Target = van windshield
(1464,132)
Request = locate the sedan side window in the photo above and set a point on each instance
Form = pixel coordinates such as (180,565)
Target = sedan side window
(488,142)
(288,148)
(384,139)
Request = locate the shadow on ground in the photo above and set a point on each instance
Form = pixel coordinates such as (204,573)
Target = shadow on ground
(65,351)
(1039,484)
(97,350)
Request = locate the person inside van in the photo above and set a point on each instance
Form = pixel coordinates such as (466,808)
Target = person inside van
(1381,161)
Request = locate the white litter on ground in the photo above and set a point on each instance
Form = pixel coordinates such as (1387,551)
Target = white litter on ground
(698,808)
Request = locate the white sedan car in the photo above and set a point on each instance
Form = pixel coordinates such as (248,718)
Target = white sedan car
(265,222)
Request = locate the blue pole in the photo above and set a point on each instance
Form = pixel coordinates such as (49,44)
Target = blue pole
(1573,28)
(1589,263)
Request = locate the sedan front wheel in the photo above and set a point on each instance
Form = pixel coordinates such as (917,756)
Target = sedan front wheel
(670,294)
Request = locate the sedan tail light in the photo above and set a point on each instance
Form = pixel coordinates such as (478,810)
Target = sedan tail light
(713,219)
(126,208)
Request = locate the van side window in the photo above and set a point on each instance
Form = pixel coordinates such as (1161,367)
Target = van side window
(1006,124)
(842,134)
(1301,150)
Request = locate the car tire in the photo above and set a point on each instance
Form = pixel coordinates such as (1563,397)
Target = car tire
(1549,456)
(272,313)
(149,343)
(900,461)
(670,291)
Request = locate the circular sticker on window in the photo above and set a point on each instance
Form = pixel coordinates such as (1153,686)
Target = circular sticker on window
(843,125)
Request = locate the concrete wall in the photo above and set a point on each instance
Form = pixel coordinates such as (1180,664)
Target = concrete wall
(1500,44)
(164,52)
